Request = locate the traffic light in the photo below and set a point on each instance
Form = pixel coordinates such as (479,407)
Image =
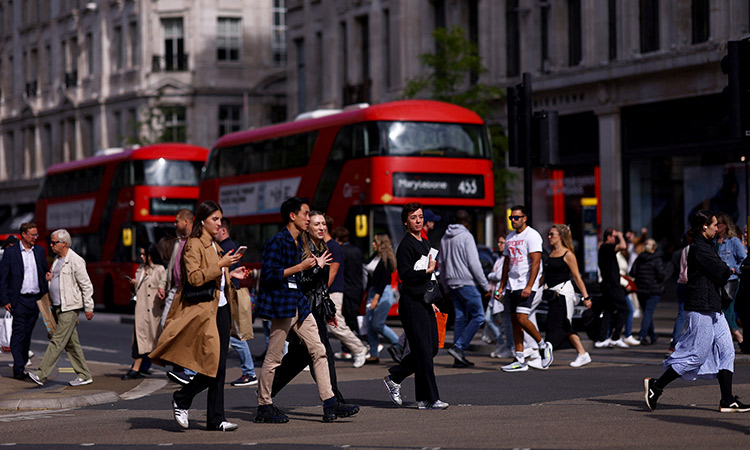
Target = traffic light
(545,136)
(736,65)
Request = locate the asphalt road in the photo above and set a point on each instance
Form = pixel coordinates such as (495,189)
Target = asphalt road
(598,406)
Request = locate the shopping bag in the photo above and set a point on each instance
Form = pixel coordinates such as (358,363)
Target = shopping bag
(442,320)
(362,325)
(241,309)
(6,331)
(45,307)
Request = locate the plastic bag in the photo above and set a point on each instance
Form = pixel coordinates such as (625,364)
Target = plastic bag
(6,331)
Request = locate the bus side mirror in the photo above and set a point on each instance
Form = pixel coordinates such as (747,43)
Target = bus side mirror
(127,237)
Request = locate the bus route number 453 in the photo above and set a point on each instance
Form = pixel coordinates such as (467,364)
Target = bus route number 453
(467,187)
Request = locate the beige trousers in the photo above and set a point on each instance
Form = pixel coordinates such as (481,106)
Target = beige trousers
(307,330)
(342,332)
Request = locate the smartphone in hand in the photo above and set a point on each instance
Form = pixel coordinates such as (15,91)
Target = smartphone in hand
(241,250)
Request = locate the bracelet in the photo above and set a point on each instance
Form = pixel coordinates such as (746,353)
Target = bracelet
(586,298)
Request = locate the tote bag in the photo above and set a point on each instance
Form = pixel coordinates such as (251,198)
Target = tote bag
(6,331)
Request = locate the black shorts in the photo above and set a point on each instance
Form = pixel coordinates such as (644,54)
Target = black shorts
(517,304)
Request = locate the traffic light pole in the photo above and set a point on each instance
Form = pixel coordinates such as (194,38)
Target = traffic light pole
(525,141)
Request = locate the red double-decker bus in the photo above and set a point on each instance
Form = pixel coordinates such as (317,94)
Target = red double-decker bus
(114,203)
(360,166)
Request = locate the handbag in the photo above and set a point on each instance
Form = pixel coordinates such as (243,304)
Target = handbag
(6,331)
(241,311)
(434,292)
(197,294)
(726,299)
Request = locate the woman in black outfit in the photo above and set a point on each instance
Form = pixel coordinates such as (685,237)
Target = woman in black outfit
(417,316)
(705,349)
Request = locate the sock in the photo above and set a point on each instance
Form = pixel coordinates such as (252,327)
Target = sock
(725,384)
(541,344)
(667,377)
(520,358)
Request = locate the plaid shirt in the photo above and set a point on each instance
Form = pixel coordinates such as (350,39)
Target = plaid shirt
(276,300)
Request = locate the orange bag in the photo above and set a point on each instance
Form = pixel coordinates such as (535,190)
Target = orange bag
(441,319)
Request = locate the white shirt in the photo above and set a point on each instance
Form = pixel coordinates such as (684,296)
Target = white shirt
(517,249)
(222,297)
(30,283)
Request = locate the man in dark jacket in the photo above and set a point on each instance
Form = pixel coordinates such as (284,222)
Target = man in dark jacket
(22,282)
(648,272)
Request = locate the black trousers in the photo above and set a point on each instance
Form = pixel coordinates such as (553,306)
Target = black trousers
(420,327)
(615,309)
(184,397)
(351,311)
(25,313)
(297,358)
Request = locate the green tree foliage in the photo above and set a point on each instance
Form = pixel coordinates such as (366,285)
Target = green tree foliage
(446,78)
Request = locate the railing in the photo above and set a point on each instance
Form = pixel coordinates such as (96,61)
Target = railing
(176,63)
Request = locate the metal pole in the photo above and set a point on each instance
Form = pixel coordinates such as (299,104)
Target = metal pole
(526,111)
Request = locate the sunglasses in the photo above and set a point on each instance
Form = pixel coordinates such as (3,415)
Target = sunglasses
(54,242)
(515,217)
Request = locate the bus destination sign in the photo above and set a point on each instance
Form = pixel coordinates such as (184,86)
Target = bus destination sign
(437,185)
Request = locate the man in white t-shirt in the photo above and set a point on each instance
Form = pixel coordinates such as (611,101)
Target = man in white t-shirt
(521,273)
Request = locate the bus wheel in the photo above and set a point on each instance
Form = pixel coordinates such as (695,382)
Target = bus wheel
(109,294)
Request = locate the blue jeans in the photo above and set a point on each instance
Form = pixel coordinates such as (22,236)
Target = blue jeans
(243,351)
(629,322)
(376,320)
(679,323)
(504,337)
(467,301)
(647,324)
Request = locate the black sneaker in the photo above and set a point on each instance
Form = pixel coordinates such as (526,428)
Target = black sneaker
(734,406)
(333,409)
(131,375)
(652,393)
(270,414)
(179,377)
(458,356)
(245,380)
(396,353)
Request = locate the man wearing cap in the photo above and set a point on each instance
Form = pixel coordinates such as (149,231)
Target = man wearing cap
(429,223)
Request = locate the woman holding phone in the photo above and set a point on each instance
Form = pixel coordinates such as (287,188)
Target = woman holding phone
(196,333)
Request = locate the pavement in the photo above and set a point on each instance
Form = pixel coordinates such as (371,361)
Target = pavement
(56,394)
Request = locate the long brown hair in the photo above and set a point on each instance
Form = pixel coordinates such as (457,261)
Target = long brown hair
(385,251)
(566,237)
(307,243)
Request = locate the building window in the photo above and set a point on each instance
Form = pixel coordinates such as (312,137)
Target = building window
(544,34)
(175,126)
(574,33)
(612,18)
(175,58)
(117,119)
(117,45)
(700,14)
(230,119)
(344,54)
(88,140)
(387,47)
(438,7)
(474,34)
(301,92)
(133,125)
(90,53)
(228,39)
(278,32)
(649,23)
(512,39)
(134,40)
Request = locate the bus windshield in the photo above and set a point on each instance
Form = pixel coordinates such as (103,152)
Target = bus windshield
(434,139)
(164,172)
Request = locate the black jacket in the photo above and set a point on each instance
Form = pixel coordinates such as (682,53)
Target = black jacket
(648,271)
(707,273)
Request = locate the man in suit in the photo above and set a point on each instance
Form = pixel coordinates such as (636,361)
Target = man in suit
(23,272)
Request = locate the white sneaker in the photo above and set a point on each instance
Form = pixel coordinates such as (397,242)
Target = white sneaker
(225,426)
(501,351)
(80,381)
(31,354)
(35,378)
(342,355)
(359,359)
(631,341)
(180,415)
(394,390)
(581,360)
(603,344)
(434,405)
(619,343)
(536,364)
(531,353)
(515,366)
(547,355)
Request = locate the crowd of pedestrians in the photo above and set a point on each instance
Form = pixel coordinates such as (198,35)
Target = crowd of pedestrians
(314,285)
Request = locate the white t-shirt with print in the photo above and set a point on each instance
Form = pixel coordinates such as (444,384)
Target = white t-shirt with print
(517,249)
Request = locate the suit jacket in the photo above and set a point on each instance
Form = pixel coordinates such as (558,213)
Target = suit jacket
(11,273)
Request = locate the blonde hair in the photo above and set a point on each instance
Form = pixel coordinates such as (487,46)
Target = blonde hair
(649,246)
(565,235)
(385,251)
(307,242)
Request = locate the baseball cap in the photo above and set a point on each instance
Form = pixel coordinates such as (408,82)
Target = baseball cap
(430,216)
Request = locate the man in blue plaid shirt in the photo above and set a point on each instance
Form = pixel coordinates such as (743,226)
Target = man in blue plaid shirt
(281,301)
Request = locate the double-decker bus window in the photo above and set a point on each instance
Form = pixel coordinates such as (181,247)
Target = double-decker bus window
(73,183)
(164,172)
(254,237)
(286,152)
(87,245)
(435,139)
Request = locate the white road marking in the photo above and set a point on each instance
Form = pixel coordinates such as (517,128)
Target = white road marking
(146,387)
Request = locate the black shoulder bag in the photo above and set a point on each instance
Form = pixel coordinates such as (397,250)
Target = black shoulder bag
(196,294)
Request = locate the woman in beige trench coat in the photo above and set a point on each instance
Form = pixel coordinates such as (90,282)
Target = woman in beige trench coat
(196,334)
(149,283)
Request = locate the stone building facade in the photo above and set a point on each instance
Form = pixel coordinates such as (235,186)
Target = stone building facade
(637,85)
(77,76)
